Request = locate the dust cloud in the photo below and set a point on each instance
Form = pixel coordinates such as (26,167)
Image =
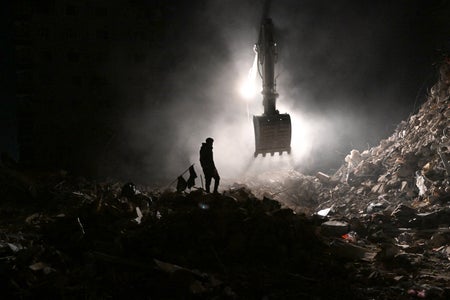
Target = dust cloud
(347,74)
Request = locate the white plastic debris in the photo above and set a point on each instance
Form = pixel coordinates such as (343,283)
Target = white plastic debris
(374,207)
(139,215)
(324,212)
(15,248)
(420,183)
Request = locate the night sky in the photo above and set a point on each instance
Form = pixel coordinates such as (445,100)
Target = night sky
(348,73)
(7,102)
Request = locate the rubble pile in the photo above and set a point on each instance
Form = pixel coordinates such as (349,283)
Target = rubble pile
(410,167)
(292,189)
(379,228)
(63,237)
(395,199)
(391,202)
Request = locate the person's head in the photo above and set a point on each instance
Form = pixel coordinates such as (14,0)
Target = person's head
(209,141)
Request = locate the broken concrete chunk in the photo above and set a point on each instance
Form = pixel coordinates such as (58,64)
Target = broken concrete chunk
(354,158)
(349,251)
(439,239)
(435,219)
(323,177)
(403,214)
(376,207)
(378,188)
(388,252)
(384,178)
(404,186)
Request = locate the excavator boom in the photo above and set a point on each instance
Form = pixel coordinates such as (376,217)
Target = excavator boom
(272,129)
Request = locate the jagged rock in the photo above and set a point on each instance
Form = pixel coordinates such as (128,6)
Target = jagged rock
(403,214)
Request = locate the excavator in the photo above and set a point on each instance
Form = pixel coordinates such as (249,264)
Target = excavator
(272,129)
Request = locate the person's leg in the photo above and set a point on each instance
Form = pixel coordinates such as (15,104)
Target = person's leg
(208,178)
(216,182)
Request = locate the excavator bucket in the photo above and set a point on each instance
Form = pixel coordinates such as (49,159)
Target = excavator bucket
(272,134)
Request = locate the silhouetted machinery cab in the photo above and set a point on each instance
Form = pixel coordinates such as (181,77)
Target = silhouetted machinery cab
(272,129)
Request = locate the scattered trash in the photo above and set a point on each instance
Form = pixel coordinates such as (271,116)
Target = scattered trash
(352,236)
(324,212)
(139,215)
(81,226)
(14,248)
(420,183)
(374,207)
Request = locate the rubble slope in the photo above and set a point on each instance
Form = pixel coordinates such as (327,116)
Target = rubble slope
(377,229)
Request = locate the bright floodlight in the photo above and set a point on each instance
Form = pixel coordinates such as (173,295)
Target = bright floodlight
(249,87)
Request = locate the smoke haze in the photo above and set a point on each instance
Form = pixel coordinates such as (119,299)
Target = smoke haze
(348,72)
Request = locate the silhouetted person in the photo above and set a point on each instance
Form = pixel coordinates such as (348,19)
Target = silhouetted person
(208,166)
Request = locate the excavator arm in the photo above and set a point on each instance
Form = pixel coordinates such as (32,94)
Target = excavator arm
(272,129)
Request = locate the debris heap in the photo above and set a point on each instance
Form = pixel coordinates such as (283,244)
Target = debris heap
(410,167)
(396,197)
(392,200)
(379,228)
(71,238)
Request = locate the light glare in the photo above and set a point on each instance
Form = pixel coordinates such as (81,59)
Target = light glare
(249,87)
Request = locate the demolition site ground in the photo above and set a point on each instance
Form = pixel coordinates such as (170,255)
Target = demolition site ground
(379,228)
